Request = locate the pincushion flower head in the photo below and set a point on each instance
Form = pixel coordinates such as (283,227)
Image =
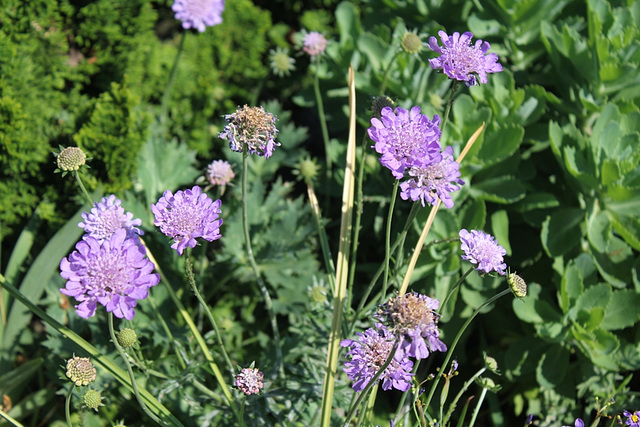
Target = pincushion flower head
(106,217)
(461,60)
(405,138)
(220,173)
(249,381)
(433,180)
(633,419)
(483,250)
(251,127)
(314,44)
(198,14)
(413,317)
(186,216)
(369,353)
(114,273)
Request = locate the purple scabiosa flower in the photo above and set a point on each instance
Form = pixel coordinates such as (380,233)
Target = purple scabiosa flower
(633,419)
(405,138)
(369,354)
(413,317)
(114,273)
(249,381)
(577,423)
(187,215)
(460,60)
(108,216)
(314,44)
(253,127)
(431,181)
(219,173)
(483,250)
(198,14)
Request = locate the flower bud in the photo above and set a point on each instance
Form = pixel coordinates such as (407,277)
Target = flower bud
(81,371)
(93,399)
(70,159)
(411,43)
(127,338)
(517,285)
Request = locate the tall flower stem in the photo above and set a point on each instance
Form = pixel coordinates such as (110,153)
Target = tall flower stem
(324,240)
(464,388)
(447,109)
(132,377)
(476,411)
(164,109)
(67,406)
(76,174)
(454,287)
(188,265)
(387,241)
(457,338)
(323,127)
(254,266)
(385,76)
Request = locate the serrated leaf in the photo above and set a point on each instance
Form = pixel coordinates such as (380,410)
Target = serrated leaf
(500,144)
(622,310)
(628,228)
(561,231)
(532,309)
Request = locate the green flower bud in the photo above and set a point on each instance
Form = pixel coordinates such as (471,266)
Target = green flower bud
(517,285)
(411,43)
(127,338)
(93,399)
(70,159)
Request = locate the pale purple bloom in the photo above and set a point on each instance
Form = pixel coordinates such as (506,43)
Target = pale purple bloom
(249,381)
(314,43)
(251,127)
(529,420)
(483,250)
(633,419)
(405,138)
(186,216)
(413,317)
(198,14)
(460,60)
(369,354)
(577,423)
(108,216)
(219,173)
(114,273)
(433,180)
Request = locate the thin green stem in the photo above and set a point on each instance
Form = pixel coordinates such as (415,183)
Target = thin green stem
(167,331)
(476,411)
(324,240)
(254,266)
(188,265)
(82,187)
(399,241)
(132,377)
(453,289)
(172,75)
(67,406)
(387,241)
(358,204)
(385,76)
(445,117)
(464,388)
(457,338)
(323,126)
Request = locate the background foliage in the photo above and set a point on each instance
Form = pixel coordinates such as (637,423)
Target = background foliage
(554,177)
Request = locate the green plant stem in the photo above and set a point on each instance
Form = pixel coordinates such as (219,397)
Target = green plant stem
(324,240)
(164,108)
(167,331)
(132,377)
(194,330)
(7,417)
(82,187)
(464,388)
(385,76)
(371,383)
(67,405)
(453,289)
(445,117)
(398,242)
(477,408)
(356,225)
(254,266)
(457,338)
(104,361)
(387,241)
(188,265)
(323,128)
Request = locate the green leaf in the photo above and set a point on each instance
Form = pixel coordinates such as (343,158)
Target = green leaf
(500,227)
(500,144)
(595,296)
(553,367)
(502,189)
(532,309)
(473,215)
(598,229)
(622,310)
(535,201)
(571,286)
(628,228)
(373,49)
(561,231)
